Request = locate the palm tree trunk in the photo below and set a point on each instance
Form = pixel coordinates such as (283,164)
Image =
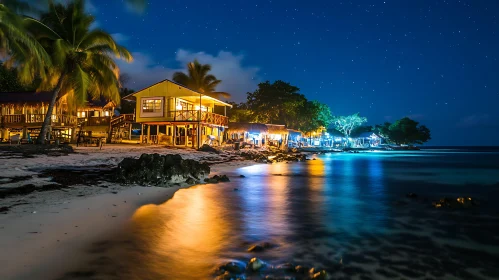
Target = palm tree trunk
(48,115)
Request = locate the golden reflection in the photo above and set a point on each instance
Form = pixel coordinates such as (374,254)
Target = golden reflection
(316,167)
(191,227)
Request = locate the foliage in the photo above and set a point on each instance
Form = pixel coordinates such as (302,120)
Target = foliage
(75,60)
(346,124)
(126,106)
(356,132)
(404,131)
(9,81)
(275,103)
(282,103)
(240,113)
(198,79)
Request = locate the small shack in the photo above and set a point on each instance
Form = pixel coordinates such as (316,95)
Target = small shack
(254,133)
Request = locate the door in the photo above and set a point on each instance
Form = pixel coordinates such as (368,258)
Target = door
(180,135)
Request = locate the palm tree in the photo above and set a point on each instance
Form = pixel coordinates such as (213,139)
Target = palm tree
(17,48)
(82,65)
(198,79)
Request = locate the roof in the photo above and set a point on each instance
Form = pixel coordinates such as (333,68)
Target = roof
(25,97)
(366,134)
(237,127)
(131,96)
(277,129)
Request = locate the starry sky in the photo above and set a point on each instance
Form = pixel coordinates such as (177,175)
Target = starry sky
(435,61)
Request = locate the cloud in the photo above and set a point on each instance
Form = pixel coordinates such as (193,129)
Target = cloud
(120,38)
(237,79)
(143,71)
(474,121)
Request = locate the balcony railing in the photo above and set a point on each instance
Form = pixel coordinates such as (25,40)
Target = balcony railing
(192,115)
(37,119)
(95,121)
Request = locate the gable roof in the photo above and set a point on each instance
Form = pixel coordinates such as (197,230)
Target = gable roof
(131,96)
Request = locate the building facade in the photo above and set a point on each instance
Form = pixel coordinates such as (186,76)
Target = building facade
(171,114)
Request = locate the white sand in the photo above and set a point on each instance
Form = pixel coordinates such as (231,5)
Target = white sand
(49,233)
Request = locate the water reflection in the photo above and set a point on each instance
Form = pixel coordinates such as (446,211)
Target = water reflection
(305,208)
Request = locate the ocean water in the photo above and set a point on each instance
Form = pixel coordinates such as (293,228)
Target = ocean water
(345,213)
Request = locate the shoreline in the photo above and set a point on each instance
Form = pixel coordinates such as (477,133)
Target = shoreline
(47,233)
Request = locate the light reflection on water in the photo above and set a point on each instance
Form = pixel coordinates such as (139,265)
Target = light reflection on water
(332,201)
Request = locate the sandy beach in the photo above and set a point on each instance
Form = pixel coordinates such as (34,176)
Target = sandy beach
(44,232)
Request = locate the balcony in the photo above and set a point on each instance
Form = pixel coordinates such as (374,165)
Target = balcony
(95,121)
(192,116)
(20,120)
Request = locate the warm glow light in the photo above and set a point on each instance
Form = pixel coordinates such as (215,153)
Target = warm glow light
(197,108)
(106,113)
(179,107)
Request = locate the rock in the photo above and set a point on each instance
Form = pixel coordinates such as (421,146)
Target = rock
(233,267)
(256,264)
(236,189)
(321,275)
(159,170)
(242,176)
(256,248)
(280,277)
(460,202)
(223,178)
(209,149)
(190,181)
(216,179)
(301,269)
(211,180)
(411,195)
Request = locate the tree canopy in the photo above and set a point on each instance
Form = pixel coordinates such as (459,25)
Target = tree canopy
(198,79)
(282,103)
(347,124)
(404,131)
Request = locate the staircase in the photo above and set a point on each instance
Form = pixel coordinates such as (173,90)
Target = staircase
(120,127)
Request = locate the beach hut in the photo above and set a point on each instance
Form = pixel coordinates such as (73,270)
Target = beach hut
(247,132)
(367,140)
(294,137)
(277,135)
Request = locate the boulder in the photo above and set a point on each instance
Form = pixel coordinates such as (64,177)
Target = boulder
(233,267)
(216,179)
(208,149)
(256,264)
(460,202)
(321,275)
(301,269)
(160,170)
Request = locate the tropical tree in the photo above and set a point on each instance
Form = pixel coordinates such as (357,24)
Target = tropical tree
(346,124)
(198,79)
(312,116)
(405,131)
(82,64)
(17,47)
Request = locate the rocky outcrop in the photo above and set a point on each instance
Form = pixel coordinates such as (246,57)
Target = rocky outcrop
(209,149)
(160,170)
(272,156)
(458,203)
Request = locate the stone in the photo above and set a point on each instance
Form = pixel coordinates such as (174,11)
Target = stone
(301,269)
(190,181)
(321,275)
(242,176)
(460,202)
(209,149)
(159,170)
(233,267)
(256,264)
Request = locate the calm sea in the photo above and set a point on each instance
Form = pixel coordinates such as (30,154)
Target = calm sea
(345,213)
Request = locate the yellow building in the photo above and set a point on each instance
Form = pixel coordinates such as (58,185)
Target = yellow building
(171,114)
(23,113)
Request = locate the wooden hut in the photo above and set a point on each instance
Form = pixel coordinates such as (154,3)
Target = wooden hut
(254,133)
(277,135)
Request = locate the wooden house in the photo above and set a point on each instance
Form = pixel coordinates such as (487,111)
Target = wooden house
(172,114)
(23,113)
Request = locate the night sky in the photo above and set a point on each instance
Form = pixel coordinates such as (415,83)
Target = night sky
(434,61)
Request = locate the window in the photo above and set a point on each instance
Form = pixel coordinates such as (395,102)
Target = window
(152,107)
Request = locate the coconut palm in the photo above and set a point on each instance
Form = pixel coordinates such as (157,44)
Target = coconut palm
(198,79)
(17,47)
(82,57)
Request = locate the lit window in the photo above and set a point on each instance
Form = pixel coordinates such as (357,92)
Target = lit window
(152,107)
(106,113)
